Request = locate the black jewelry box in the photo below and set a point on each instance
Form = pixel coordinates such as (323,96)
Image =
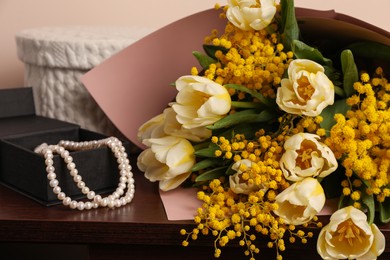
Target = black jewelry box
(23,170)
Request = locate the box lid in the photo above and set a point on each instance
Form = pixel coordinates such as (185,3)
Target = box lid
(74,47)
(17,114)
(16,102)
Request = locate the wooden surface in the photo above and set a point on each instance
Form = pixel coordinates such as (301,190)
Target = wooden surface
(140,229)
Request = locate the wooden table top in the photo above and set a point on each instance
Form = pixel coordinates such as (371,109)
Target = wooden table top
(143,221)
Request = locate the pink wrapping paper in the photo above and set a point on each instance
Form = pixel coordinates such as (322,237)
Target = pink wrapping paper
(133,85)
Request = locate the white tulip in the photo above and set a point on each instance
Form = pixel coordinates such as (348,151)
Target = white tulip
(168,160)
(307,91)
(349,236)
(251,14)
(200,101)
(305,156)
(300,202)
(237,184)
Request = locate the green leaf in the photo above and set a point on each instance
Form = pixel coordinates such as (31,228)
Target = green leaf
(373,50)
(203,59)
(207,152)
(266,101)
(303,51)
(203,164)
(202,145)
(289,24)
(243,117)
(247,104)
(350,72)
(369,202)
(384,211)
(339,91)
(211,50)
(212,174)
(339,107)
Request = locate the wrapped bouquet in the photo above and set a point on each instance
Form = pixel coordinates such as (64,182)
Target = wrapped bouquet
(271,125)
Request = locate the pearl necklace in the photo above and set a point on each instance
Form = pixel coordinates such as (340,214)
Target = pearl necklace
(115,200)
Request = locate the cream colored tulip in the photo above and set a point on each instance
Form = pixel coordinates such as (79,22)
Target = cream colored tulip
(305,156)
(236,182)
(168,160)
(307,91)
(153,128)
(166,124)
(174,128)
(200,101)
(349,236)
(300,202)
(251,14)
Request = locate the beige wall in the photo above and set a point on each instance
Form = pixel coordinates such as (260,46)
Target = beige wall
(16,15)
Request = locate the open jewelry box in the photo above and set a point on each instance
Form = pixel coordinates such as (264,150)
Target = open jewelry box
(23,170)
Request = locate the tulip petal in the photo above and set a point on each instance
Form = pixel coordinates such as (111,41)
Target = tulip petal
(378,245)
(172,183)
(300,202)
(349,236)
(248,15)
(200,101)
(307,91)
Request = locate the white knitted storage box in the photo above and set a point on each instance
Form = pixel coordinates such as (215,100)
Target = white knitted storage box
(56,57)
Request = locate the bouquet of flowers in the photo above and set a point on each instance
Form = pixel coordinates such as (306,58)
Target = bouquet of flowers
(271,127)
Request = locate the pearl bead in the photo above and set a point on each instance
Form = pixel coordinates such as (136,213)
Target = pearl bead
(111,204)
(68,159)
(91,195)
(50,168)
(104,202)
(85,190)
(67,201)
(97,198)
(80,205)
(61,196)
(73,204)
(118,203)
(71,166)
(64,154)
(115,200)
(74,172)
(53,183)
(81,184)
(49,161)
(121,186)
(51,176)
(60,149)
(88,205)
(56,189)
(77,178)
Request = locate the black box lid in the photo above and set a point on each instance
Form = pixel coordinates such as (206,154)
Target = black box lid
(17,114)
(16,102)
